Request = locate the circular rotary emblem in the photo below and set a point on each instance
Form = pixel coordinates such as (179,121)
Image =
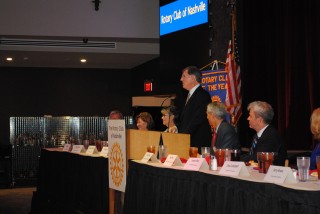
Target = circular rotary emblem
(216,98)
(116,164)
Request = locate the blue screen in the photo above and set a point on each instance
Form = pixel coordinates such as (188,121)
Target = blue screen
(182,14)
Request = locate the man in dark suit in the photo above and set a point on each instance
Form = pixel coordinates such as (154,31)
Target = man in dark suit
(226,136)
(267,138)
(193,119)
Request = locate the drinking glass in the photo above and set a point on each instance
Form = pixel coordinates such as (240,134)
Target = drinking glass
(162,151)
(205,152)
(151,149)
(193,152)
(260,161)
(303,164)
(268,158)
(235,155)
(220,154)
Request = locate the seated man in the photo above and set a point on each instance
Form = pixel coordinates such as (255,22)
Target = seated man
(226,136)
(267,138)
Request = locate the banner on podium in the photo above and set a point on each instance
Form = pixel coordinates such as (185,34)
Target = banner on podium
(117,154)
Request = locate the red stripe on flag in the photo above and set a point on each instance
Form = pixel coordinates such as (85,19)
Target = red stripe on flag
(233,97)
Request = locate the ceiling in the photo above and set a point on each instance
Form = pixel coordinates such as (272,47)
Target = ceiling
(58,52)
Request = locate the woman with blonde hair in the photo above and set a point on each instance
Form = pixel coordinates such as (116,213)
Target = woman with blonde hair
(169,116)
(315,130)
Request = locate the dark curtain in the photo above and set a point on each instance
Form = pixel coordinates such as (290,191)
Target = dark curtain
(280,64)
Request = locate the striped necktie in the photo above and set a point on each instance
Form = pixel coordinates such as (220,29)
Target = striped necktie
(254,144)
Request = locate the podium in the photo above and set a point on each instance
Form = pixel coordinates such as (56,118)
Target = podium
(137,142)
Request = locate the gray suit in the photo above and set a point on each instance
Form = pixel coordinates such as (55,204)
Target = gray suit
(227,137)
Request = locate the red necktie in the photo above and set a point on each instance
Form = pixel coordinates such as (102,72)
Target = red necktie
(214,136)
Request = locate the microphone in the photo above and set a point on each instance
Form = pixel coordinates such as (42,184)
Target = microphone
(165,100)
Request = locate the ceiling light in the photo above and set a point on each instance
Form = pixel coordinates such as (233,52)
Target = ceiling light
(9,58)
(83,60)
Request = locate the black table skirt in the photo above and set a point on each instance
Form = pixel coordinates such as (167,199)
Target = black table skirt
(71,183)
(162,190)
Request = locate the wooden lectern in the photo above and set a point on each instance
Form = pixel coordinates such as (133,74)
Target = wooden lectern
(137,142)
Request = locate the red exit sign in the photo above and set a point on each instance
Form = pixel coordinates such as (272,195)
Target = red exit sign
(147,86)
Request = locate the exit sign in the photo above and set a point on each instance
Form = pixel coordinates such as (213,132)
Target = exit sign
(147,86)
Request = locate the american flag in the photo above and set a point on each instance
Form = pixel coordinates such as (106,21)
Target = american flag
(233,98)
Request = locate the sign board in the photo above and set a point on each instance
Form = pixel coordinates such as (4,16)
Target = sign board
(117,154)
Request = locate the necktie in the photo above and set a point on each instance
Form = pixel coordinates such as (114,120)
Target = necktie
(188,97)
(214,137)
(254,143)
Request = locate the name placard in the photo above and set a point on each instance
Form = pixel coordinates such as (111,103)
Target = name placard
(149,156)
(66,147)
(234,168)
(196,164)
(92,150)
(279,174)
(172,160)
(104,151)
(78,149)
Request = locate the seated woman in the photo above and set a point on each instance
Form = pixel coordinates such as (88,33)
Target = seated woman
(315,130)
(144,121)
(169,115)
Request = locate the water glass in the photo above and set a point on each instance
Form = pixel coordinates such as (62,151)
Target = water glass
(303,164)
(162,151)
(205,152)
(235,154)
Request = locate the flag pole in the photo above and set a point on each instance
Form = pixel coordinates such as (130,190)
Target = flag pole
(211,63)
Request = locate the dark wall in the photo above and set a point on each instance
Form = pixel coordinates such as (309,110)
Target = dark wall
(61,92)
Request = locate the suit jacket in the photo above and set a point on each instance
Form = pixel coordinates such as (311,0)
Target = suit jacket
(227,137)
(193,119)
(270,141)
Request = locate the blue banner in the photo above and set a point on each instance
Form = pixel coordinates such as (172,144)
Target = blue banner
(215,82)
(182,14)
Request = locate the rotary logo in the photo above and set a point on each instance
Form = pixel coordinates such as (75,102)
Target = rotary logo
(215,98)
(116,164)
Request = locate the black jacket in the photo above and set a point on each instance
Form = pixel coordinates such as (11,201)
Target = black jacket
(193,119)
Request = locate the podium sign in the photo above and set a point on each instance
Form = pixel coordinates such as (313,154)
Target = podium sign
(117,154)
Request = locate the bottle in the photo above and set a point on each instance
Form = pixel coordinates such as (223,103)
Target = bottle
(213,163)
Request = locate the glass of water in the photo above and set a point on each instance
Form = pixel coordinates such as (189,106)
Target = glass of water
(303,164)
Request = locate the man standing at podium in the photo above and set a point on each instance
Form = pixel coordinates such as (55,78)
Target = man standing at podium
(193,119)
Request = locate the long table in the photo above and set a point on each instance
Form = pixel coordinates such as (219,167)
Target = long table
(71,183)
(154,189)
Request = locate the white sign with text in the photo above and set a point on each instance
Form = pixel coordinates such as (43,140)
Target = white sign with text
(234,168)
(172,160)
(78,149)
(280,174)
(92,150)
(104,151)
(149,156)
(196,164)
(66,147)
